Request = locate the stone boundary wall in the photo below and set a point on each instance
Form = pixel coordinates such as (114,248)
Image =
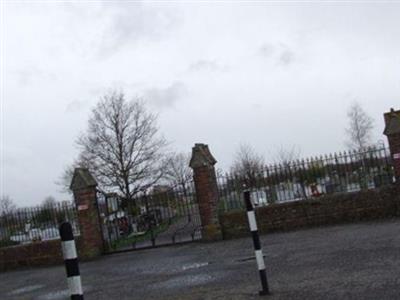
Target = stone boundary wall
(332,209)
(44,253)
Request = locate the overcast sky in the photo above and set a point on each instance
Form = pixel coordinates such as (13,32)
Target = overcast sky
(267,74)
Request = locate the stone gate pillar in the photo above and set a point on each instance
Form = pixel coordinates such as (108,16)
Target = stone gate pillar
(205,180)
(83,186)
(392,131)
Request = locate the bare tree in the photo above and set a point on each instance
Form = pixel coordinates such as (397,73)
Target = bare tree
(287,155)
(359,134)
(49,202)
(359,130)
(248,163)
(7,205)
(122,146)
(177,170)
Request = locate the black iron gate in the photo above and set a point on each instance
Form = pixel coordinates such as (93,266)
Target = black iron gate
(164,216)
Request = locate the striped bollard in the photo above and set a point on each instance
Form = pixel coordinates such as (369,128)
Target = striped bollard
(71,261)
(257,245)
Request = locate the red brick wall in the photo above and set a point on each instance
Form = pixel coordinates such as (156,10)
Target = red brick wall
(333,209)
(207,194)
(207,198)
(394,144)
(92,241)
(30,255)
(89,244)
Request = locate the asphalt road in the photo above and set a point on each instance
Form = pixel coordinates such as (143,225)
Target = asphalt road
(355,261)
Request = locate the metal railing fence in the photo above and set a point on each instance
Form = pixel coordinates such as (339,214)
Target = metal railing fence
(342,172)
(34,224)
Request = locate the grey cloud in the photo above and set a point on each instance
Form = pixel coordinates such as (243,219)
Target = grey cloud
(206,65)
(9,161)
(165,97)
(135,21)
(281,53)
(48,37)
(13,156)
(286,57)
(267,49)
(76,105)
(26,76)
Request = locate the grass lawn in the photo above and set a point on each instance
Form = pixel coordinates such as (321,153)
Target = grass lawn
(132,238)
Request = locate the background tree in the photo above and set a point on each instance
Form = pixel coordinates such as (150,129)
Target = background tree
(49,201)
(288,160)
(360,127)
(287,155)
(48,212)
(122,146)
(177,170)
(248,163)
(7,205)
(359,134)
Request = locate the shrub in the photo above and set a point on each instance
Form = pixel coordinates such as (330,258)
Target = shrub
(7,243)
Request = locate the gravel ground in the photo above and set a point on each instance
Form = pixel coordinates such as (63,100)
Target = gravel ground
(354,261)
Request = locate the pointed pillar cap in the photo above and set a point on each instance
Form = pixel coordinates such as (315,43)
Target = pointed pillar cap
(392,122)
(82,179)
(201,156)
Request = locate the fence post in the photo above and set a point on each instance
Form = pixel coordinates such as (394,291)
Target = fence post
(83,186)
(205,180)
(392,131)
(257,245)
(71,261)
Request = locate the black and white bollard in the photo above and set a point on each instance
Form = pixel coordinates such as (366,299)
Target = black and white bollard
(71,261)
(257,245)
